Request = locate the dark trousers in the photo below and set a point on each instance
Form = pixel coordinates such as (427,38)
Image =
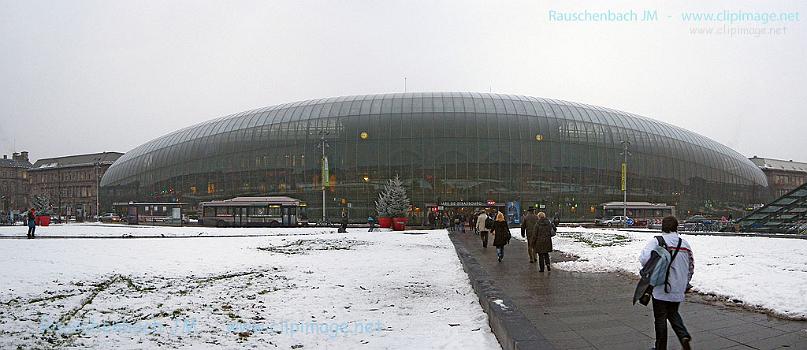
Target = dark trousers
(500,252)
(543,259)
(531,250)
(664,311)
(484,236)
(31,230)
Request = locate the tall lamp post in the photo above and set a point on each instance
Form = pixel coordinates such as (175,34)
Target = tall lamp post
(325,177)
(625,153)
(97,191)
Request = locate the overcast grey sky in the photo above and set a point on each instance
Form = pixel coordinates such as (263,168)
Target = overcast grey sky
(90,76)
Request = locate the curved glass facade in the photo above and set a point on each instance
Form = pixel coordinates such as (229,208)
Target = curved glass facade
(446,147)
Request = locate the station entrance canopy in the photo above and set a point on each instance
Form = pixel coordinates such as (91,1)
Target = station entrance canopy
(787,214)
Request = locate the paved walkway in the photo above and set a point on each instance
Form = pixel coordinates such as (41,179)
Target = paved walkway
(594,311)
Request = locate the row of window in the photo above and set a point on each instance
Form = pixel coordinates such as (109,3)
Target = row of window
(68,192)
(794,180)
(57,175)
(13,174)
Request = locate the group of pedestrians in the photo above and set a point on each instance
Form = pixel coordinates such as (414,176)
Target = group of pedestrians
(539,232)
(536,228)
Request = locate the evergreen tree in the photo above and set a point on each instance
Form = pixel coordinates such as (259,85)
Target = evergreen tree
(393,202)
(42,204)
(381,206)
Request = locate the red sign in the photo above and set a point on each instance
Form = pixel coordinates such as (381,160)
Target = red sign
(491,202)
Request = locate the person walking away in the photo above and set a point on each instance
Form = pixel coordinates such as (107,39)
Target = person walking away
(483,229)
(668,297)
(501,235)
(543,241)
(371,222)
(31,223)
(343,224)
(529,229)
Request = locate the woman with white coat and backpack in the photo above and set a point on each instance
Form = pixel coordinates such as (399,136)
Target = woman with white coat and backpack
(668,296)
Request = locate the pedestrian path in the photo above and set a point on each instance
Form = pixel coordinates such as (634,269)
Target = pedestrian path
(593,310)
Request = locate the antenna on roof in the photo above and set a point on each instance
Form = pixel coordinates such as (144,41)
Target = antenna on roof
(404,84)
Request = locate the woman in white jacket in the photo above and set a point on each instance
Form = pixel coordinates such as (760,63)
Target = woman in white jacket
(668,297)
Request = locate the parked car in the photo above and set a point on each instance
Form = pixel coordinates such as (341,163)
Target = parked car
(696,219)
(654,224)
(110,217)
(614,221)
(699,223)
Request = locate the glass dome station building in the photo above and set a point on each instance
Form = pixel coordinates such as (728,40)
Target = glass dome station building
(455,148)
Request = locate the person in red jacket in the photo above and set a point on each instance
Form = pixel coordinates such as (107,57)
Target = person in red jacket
(31,223)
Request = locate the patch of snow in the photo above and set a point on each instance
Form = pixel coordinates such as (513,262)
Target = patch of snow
(769,273)
(501,304)
(286,288)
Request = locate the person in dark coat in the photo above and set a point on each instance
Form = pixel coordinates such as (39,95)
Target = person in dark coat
(501,235)
(543,241)
(371,222)
(529,229)
(458,223)
(31,223)
(556,220)
(343,225)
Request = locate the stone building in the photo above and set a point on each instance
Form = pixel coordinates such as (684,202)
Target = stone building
(71,182)
(14,182)
(783,175)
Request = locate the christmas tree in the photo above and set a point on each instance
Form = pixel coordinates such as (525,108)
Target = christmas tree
(393,202)
(41,204)
(381,206)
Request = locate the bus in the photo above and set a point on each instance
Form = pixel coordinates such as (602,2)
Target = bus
(152,213)
(251,212)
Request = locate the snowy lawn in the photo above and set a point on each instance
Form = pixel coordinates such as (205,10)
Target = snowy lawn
(297,288)
(93,229)
(766,273)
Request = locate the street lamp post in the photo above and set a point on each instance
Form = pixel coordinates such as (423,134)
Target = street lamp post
(625,153)
(322,145)
(97,191)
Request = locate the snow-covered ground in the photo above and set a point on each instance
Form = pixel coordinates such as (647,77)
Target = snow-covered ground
(295,288)
(768,273)
(123,230)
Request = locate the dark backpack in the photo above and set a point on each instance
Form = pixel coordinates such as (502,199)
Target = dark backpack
(489,223)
